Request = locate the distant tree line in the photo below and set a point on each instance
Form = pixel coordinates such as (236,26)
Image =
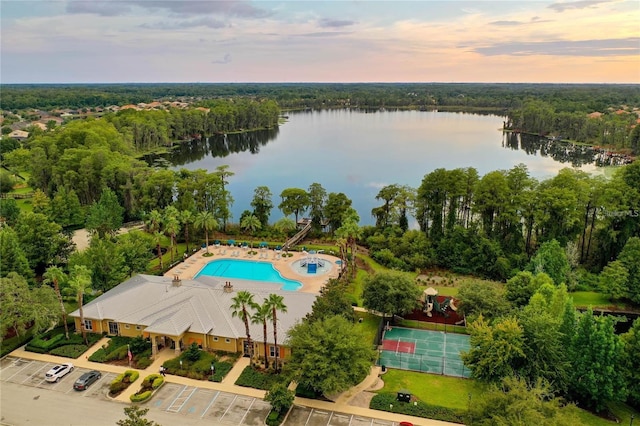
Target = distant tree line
(498,96)
(614,128)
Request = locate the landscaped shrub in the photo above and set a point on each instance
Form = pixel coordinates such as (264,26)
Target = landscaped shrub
(193,353)
(122,381)
(222,369)
(307,392)
(98,356)
(140,345)
(152,381)
(389,402)
(199,370)
(119,353)
(141,397)
(149,385)
(275,418)
(143,362)
(46,343)
(253,378)
(69,351)
(54,341)
(11,344)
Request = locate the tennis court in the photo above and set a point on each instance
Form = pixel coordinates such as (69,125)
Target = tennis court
(424,350)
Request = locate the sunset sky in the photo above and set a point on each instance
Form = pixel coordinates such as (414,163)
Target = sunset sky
(320,41)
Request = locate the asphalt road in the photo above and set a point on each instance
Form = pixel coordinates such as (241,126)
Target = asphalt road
(23,405)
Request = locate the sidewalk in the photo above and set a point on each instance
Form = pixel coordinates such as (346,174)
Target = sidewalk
(341,405)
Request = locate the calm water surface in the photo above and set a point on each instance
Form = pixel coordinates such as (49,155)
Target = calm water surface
(358,153)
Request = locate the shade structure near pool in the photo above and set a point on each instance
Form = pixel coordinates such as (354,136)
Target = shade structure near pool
(248,270)
(424,350)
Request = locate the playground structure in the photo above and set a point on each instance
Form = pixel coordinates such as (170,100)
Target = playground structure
(430,303)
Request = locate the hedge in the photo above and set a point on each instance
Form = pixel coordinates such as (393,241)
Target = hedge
(12,343)
(252,378)
(383,402)
(275,418)
(141,397)
(122,381)
(69,351)
(149,385)
(222,369)
(46,344)
(39,345)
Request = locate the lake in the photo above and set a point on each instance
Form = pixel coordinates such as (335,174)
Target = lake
(358,152)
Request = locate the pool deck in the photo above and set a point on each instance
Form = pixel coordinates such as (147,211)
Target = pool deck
(311,283)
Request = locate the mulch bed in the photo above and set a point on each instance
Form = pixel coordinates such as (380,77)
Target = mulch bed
(418,315)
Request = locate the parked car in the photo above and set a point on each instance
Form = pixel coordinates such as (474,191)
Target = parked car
(86,380)
(58,372)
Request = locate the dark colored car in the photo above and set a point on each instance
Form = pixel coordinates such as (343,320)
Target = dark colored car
(87,379)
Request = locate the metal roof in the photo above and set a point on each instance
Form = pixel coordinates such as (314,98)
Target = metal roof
(199,305)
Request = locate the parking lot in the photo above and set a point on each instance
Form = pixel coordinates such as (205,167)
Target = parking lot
(313,417)
(216,407)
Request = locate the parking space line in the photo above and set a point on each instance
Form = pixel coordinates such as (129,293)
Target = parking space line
(210,404)
(229,407)
(308,418)
(350,419)
(18,372)
(330,415)
(247,412)
(185,399)
(176,398)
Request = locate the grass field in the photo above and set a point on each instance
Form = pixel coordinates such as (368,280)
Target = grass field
(445,391)
(369,324)
(453,392)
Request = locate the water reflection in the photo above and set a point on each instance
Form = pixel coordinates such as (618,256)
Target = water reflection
(219,145)
(563,152)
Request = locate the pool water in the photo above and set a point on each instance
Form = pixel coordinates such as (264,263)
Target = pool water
(248,270)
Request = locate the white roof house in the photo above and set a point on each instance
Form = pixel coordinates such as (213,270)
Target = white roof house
(163,306)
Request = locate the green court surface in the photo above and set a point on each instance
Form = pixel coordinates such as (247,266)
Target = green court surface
(424,350)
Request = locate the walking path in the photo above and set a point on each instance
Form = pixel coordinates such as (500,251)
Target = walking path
(227,385)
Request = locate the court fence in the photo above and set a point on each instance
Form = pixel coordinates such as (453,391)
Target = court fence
(443,365)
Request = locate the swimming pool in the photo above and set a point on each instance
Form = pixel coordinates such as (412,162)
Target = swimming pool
(248,270)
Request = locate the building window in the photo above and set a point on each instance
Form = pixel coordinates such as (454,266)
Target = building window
(138,327)
(215,338)
(126,326)
(88,325)
(272,351)
(227,340)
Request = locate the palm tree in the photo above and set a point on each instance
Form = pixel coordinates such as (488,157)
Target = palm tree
(55,276)
(250,223)
(172,226)
(186,217)
(205,220)
(285,225)
(153,221)
(157,239)
(241,302)
(261,316)
(80,283)
(275,303)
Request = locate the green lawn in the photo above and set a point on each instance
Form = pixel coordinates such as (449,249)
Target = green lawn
(622,411)
(445,391)
(25,205)
(369,324)
(590,298)
(453,392)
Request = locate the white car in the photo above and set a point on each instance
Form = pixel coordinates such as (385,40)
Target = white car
(59,371)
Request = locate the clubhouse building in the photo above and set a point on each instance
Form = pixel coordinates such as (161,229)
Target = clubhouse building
(174,313)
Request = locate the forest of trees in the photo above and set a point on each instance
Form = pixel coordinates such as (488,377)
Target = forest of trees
(541,239)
